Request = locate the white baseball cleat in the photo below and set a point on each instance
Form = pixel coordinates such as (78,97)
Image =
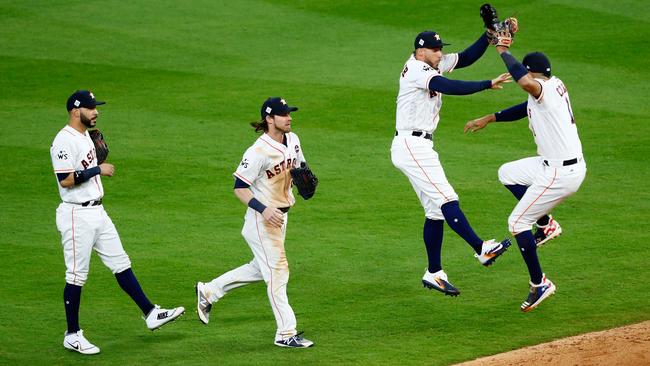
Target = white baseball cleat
(158,317)
(549,232)
(491,250)
(295,341)
(439,281)
(77,342)
(203,305)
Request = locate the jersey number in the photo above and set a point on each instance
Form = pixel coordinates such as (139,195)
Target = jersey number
(561,89)
(406,68)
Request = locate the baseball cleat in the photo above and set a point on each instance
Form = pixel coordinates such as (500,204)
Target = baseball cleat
(538,293)
(158,317)
(203,305)
(295,341)
(491,250)
(549,232)
(77,342)
(438,281)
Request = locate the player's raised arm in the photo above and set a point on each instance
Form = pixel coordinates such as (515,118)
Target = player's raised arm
(520,73)
(460,87)
(472,53)
(513,113)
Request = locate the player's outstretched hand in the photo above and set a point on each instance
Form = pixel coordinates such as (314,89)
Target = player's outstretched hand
(273,216)
(106,169)
(479,123)
(503,78)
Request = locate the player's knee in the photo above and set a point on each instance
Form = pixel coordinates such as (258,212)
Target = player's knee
(503,175)
(517,224)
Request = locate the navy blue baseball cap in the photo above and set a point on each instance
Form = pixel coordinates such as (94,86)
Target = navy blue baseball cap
(537,62)
(428,39)
(276,106)
(82,98)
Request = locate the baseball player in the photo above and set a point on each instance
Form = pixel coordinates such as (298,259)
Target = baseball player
(263,183)
(421,86)
(542,182)
(84,224)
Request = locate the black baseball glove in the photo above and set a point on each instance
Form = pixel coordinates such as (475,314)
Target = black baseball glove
(500,33)
(101,149)
(305,180)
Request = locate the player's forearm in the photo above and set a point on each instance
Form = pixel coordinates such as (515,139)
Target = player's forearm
(472,53)
(513,113)
(244,195)
(68,180)
(458,87)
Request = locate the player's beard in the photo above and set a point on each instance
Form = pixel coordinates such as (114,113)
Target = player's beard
(86,121)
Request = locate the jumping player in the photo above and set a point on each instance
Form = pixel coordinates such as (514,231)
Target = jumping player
(542,182)
(421,86)
(84,224)
(263,183)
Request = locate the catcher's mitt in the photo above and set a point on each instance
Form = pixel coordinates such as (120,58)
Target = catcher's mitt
(101,148)
(305,180)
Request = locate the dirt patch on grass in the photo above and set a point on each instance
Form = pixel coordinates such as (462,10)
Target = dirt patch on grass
(628,345)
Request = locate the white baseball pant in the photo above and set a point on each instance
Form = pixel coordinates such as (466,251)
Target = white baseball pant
(547,185)
(269,264)
(415,157)
(82,230)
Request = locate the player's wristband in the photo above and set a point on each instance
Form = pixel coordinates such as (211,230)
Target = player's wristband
(256,205)
(81,176)
(513,113)
(516,69)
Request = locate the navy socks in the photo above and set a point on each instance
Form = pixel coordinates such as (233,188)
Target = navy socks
(71,300)
(432,233)
(130,285)
(526,242)
(458,222)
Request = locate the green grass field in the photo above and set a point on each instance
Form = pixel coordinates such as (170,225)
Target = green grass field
(182,81)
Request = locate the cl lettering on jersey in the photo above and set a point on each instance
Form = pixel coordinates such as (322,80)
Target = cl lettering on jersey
(280,167)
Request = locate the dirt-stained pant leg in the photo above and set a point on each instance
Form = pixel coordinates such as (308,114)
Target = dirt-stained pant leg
(267,244)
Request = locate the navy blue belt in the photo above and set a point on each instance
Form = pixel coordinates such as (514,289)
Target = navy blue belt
(284,209)
(427,136)
(566,162)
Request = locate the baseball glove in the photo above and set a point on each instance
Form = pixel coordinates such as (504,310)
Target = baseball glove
(305,180)
(499,33)
(101,148)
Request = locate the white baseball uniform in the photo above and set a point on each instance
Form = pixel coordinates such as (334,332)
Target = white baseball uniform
(559,169)
(418,111)
(265,167)
(80,218)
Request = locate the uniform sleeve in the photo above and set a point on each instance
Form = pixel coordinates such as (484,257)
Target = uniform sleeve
(541,95)
(448,62)
(62,157)
(250,165)
(421,74)
(301,156)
